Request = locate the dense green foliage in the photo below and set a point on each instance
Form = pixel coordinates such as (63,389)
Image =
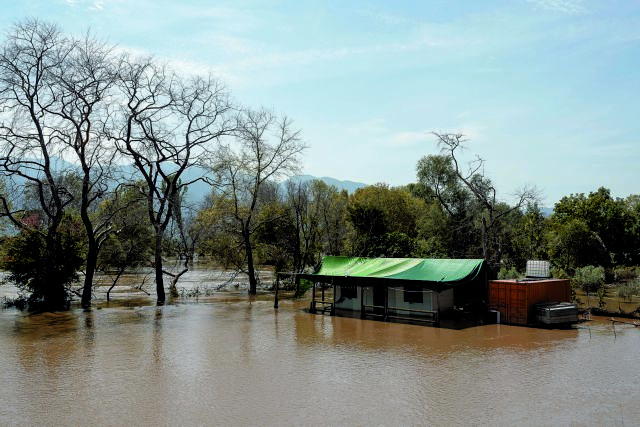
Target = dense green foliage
(44,269)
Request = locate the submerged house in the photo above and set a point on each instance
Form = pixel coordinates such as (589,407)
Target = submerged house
(411,289)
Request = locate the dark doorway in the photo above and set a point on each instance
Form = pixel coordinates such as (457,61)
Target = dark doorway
(379,300)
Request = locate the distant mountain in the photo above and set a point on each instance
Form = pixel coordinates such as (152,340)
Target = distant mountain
(350,186)
(200,189)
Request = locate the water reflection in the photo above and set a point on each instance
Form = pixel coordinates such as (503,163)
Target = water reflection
(243,363)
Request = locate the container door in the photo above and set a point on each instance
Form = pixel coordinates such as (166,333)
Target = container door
(498,298)
(517,303)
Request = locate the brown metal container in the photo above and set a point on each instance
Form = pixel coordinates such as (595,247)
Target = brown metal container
(514,299)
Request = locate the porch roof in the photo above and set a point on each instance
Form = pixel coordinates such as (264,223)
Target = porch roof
(442,272)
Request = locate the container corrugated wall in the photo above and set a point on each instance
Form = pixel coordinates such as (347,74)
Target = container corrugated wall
(514,299)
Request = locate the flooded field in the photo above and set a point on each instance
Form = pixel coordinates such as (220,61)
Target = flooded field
(244,363)
(222,359)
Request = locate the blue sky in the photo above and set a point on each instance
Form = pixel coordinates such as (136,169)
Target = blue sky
(547,91)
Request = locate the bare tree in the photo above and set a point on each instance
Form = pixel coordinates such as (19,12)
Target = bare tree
(165,126)
(185,234)
(305,226)
(330,207)
(32,138)
(83,88)
(268,149)
(483,190)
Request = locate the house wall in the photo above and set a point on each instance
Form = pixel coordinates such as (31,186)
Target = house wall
(429,300)
(348,303)
(396,299)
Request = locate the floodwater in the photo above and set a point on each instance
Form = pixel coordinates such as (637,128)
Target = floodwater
(239,362)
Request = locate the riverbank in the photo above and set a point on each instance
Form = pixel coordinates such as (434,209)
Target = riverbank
(614,306)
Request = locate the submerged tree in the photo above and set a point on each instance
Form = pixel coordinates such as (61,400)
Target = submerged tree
(165,126)
(84,86)
(268,149)
(55,90)
(30,139)
(129,242)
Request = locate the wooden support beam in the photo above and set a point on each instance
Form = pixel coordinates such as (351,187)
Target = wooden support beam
(333,306)
(275,299)
(312,307)
(386,303)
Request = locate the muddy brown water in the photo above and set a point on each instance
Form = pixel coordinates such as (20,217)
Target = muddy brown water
(226,360)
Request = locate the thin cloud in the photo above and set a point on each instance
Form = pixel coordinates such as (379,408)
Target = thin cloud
(571,7)
(97,5)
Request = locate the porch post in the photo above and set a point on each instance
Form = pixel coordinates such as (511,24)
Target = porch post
(333,306)
(438,313)
(312,308)
(386,302)
(275,300)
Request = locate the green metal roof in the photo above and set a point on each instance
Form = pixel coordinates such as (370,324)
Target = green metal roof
(448,272)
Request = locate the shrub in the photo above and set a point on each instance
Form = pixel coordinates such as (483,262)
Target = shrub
(628,290)
(305,285)
(602,291)
(44,270)
(589,278)
(559,273)
(623,274)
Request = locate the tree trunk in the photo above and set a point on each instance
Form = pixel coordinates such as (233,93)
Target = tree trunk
(92,262)
(251,272)
(92,250)
(173,286)
(485,238)
(158,267)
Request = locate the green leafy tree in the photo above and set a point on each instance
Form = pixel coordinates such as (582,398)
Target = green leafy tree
(33,266)
(376,211)
(447,180)
(391,245)
(628,290)
(591,279)
(611,220)
(329,209)
(435,237)
(573,245)
(277,239)
(531,234)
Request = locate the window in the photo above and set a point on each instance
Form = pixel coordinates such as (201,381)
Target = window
(413,294)
(348,292)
